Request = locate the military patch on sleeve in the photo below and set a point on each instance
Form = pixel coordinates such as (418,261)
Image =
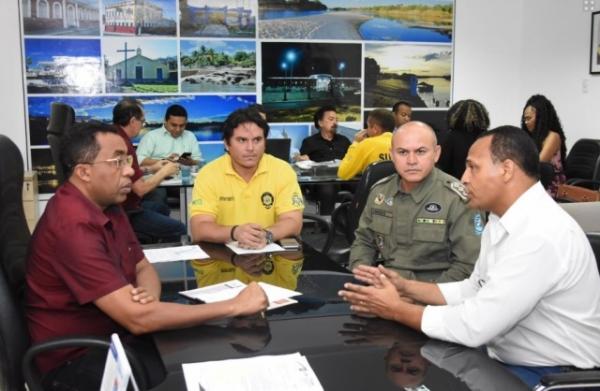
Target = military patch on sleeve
(459,189)
(477,224)
(197,202)
(297,200)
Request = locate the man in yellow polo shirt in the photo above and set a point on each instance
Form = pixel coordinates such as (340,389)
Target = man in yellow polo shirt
(370,145)
(246,195)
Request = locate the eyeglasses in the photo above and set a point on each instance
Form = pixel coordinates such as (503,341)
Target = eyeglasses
(119,162)
(143,122)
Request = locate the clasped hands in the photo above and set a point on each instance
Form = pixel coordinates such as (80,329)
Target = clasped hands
(250,236)
(385,289)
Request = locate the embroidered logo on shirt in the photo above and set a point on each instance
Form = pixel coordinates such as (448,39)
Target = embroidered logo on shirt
(267,199)
(297,200)
(197,202)
(379,199)
(433,207)
(226,198)
(389,201)
(477,224)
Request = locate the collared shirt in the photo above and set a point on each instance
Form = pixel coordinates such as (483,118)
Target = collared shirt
(78,254)
(320,149)
(159,144)
(133,201)
(429,234)
(219,191)
(534,296)
(360,155)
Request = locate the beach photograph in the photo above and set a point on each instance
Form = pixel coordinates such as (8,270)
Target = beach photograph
(60,17)
(419,74)
(217,18)
(140,65)
(298,78)
(376,20)
(62,66)
(218,66)
(134,17)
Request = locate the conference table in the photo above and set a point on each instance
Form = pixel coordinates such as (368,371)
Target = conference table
(346,351)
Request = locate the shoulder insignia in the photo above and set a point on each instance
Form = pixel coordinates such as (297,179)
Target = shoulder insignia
(459,189)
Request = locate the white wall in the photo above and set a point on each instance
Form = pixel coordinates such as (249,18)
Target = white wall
(507,50)
(12,105)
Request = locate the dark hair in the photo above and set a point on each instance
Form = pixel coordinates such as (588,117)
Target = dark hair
(79,144)
(383,118)
(321,112)
(258,107)
(126,109)
(176,111)
(510,142)
(241,116)
(546,120)
(400,103)
(468,116)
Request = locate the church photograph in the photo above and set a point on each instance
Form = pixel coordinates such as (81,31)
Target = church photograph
(140,65)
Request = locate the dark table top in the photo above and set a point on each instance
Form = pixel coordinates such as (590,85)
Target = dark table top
(346,352)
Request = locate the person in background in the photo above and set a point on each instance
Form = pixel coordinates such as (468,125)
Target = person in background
(467,119)
(255,198)
(370,145)
(86,273)
(402,113)
(148,217)
(524,299)
(326,144)
(169,142)
(541,121)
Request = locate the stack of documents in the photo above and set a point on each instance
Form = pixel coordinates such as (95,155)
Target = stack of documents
(290,372)
(177,253)
(277,296)
(269,248)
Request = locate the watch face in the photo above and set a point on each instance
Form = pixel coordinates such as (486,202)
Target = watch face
(269,237)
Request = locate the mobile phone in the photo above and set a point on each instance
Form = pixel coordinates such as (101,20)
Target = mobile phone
(185,155)
(289,244)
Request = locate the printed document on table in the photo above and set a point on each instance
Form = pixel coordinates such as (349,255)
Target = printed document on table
(290,372)
(269,248)
(277,296)
(177,253)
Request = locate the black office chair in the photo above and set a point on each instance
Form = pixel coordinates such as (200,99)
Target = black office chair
(279,147)
(16,363)
(62,117)
(345,217)
(577,379)
(582,165)
(546,174)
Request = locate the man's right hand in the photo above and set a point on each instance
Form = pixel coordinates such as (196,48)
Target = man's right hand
(370,275)
(360,136)
(250,236)
(169,169)
(251,300)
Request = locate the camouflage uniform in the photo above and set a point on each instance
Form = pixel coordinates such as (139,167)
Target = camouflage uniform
(428,234)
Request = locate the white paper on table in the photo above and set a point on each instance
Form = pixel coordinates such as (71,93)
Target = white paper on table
(117,371)
(175,181)
(290,372)
(176,253)
(277,296)
(269,248)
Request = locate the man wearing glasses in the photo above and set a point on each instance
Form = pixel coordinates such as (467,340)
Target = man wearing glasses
(147,217)
(86,273)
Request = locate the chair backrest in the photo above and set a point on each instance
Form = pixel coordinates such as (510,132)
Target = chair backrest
(583,160)
(14,240)
(279,147)
(373,173)
(546,174)
(62,117)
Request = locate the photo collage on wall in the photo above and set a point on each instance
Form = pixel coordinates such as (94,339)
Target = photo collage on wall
(215,56)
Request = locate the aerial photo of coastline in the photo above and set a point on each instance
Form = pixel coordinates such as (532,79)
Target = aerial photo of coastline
(419,74)
(376,20)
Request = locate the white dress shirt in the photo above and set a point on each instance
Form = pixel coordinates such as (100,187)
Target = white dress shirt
(534,296)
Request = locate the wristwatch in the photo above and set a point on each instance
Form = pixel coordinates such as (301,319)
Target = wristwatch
(268,236)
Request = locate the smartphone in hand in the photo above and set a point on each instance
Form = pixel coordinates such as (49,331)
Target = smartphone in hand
(184,156)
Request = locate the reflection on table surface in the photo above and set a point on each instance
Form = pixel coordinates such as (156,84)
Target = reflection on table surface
(347,352)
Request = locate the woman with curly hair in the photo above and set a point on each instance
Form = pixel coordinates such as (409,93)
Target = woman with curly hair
(467,119)
(542,123)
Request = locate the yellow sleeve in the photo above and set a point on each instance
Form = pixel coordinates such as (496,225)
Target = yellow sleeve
(353,162)
(289,196)
(204,195)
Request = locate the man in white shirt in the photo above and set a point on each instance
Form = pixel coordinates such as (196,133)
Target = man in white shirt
(534,296)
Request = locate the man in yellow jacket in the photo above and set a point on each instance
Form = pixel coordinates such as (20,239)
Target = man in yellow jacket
(370,145)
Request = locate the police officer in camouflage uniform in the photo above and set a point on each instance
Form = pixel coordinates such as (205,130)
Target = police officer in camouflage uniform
(418,222)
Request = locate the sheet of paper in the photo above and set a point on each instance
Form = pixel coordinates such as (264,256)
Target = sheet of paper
(117,371)
(177,253)
(277,296)
(175,181)
(291,372)
(269,248)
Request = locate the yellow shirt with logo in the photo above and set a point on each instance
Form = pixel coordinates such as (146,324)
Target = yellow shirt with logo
(219,191)
(360,155)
